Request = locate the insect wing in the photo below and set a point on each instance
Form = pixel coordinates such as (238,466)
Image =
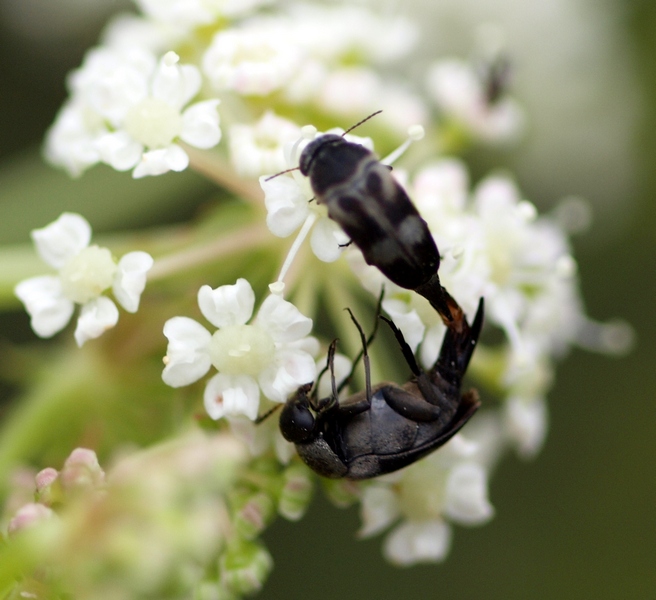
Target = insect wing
(377,214)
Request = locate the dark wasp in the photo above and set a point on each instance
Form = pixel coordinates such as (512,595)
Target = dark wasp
(385,427)
(363,197)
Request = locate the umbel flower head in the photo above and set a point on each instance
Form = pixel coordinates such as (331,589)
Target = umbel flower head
(271,354)
(128,110)
(84,273)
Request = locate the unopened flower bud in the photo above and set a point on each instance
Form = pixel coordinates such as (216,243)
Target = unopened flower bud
(81,471)
(28,516)
(244,567)
(252,514)
(48,486)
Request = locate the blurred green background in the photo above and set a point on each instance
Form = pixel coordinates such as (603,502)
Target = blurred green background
(580,520)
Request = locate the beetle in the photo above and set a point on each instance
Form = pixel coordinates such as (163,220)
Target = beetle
(388,426)
(374,210)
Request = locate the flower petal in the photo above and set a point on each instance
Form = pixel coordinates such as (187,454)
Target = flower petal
(290,370)
(466,495)
(287,205)
(160,161)
(526,422)
(119,150)
(227,304)
(200,124)
(187,354)
(229,395)
(413,542)
(379,507)
(62,239)
(283,321)
(49,309)
(96,317)
(130,279)
(173,83)
(328,240)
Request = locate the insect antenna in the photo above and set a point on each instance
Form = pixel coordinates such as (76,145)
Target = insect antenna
(361,122)
(405,348)
(267,414)
(281,173)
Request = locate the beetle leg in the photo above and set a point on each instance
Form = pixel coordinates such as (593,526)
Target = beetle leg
(325,403)
(412,406)
(407,351)
(370,339)
(365,357)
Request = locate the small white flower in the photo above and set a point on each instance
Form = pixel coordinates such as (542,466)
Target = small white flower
(254,60)
(417,542)
(460,93)
(270,354)
(379,509)
(526,424)
(84,273)
(128,110)
(257,149)
(466,498)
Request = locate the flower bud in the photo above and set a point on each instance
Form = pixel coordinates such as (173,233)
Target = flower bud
(296,493)
(244,567)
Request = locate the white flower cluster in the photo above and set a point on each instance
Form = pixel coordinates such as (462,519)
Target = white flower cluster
(84,273)
(130,109)
(446,486)
(134,105)
(127,109)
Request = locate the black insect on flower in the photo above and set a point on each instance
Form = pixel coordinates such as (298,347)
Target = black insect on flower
(374,210)
(388,426)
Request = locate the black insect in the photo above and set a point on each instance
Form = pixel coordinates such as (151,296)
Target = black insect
(387,427)
(375,212)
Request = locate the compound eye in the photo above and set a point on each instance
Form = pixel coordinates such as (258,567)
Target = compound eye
(296,422)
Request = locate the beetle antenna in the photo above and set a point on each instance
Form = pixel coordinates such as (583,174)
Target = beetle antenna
(365,357)
(308,132)
(281,173)
(361,122)
(267,414)
(405,348)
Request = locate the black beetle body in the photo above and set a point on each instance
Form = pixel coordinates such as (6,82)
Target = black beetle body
(387,427)
(376,213)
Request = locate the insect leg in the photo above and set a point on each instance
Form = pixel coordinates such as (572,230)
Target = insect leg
(407,351)
(370,339)
(330,365)
(365,357)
